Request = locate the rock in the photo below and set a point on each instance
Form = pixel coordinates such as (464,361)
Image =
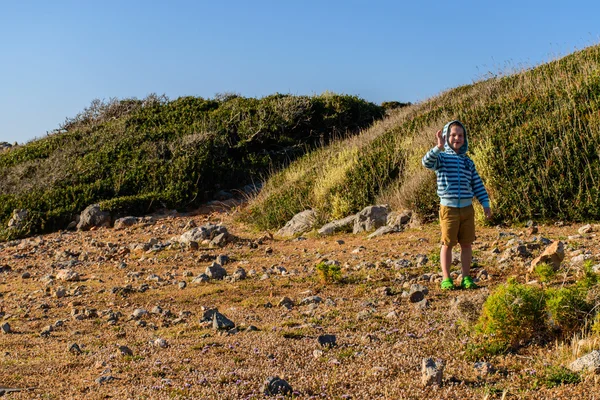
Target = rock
(201,233)
(553,255)
(431,372)
(483,368)
(67,275)
(220,240)
(182,285)
(5,328)
(222,259)
(275,386)
(310,300)
(300,223)
(93,216)
(221,322)
(215,271)
(124,351)
(74,348)
(138,313)
(105,379)
(585,229)
(25,275)
(286,302)
(588,363)
(160,342)
(415,287)
(396,218)
(202,278)
(125,222)
(384,230)
(239,274)
(337,225)
(370,218)
(18,219)
(327,340)
(416,296)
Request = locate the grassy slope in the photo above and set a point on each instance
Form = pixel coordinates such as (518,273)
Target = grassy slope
(534,136)
(135,155)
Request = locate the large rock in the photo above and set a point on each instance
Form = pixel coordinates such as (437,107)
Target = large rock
(18,219)
(396,218)
(588,363)
(300,223)
(553,255)
(215,271)
(125,222)
(337,225)
(93,216)
(201,233)
(371,218)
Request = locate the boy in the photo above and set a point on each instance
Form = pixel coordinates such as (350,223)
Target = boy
(457,183)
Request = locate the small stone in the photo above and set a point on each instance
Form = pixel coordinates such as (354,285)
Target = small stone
(5,328)
(105,379)
(74,348)
(182,285)
(25,275)
(318,353)
(202,278)
(221,322)
(585,229)
(275,385)
(215,271)
(484,368)
(311,300)
(327,340)
(431,372)
(160,342)
(138,313)
(286,302)
(124,351)
(416,296)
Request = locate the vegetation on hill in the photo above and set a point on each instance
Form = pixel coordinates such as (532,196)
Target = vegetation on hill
(534,136)
(133,155)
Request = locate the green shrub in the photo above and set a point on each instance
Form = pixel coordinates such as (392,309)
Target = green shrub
(513,314)
(555,376)
(328,273)
(567,309)
(545,272)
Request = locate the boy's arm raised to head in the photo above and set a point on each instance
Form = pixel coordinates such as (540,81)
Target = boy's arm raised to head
(431,159)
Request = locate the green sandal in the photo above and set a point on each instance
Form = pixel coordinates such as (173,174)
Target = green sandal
(447,284)
(467,283)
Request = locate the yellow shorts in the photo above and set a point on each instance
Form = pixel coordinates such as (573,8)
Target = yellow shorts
(458,225)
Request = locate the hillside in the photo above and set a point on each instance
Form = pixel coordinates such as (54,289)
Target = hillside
(534,136)
(134,156)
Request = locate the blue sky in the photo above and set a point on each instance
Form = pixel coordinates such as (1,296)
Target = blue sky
(57,56)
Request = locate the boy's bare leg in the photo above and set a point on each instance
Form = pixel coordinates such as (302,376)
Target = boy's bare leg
(445,260)
(466,255)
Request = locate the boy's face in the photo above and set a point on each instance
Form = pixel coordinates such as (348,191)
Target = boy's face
(456,138)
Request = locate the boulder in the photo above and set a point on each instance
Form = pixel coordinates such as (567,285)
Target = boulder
(553,255)
(276,386)
(93,216)
(300,223)
(588,363)
(215,271)
(371,218)
(337,225)
(201,233)
(125,222)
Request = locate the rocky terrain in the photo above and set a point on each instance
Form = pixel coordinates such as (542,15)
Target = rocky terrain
(201,306)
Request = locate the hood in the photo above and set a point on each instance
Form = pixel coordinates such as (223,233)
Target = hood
(465,147)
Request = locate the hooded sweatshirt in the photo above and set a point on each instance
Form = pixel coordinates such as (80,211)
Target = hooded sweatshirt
(457,179)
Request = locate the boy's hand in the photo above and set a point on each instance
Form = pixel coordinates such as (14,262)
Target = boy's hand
(488,212)
(440,140)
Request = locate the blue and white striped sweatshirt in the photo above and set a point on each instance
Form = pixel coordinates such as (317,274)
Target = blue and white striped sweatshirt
(457,178)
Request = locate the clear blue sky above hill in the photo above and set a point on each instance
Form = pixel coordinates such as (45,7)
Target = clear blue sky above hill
(57,56)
